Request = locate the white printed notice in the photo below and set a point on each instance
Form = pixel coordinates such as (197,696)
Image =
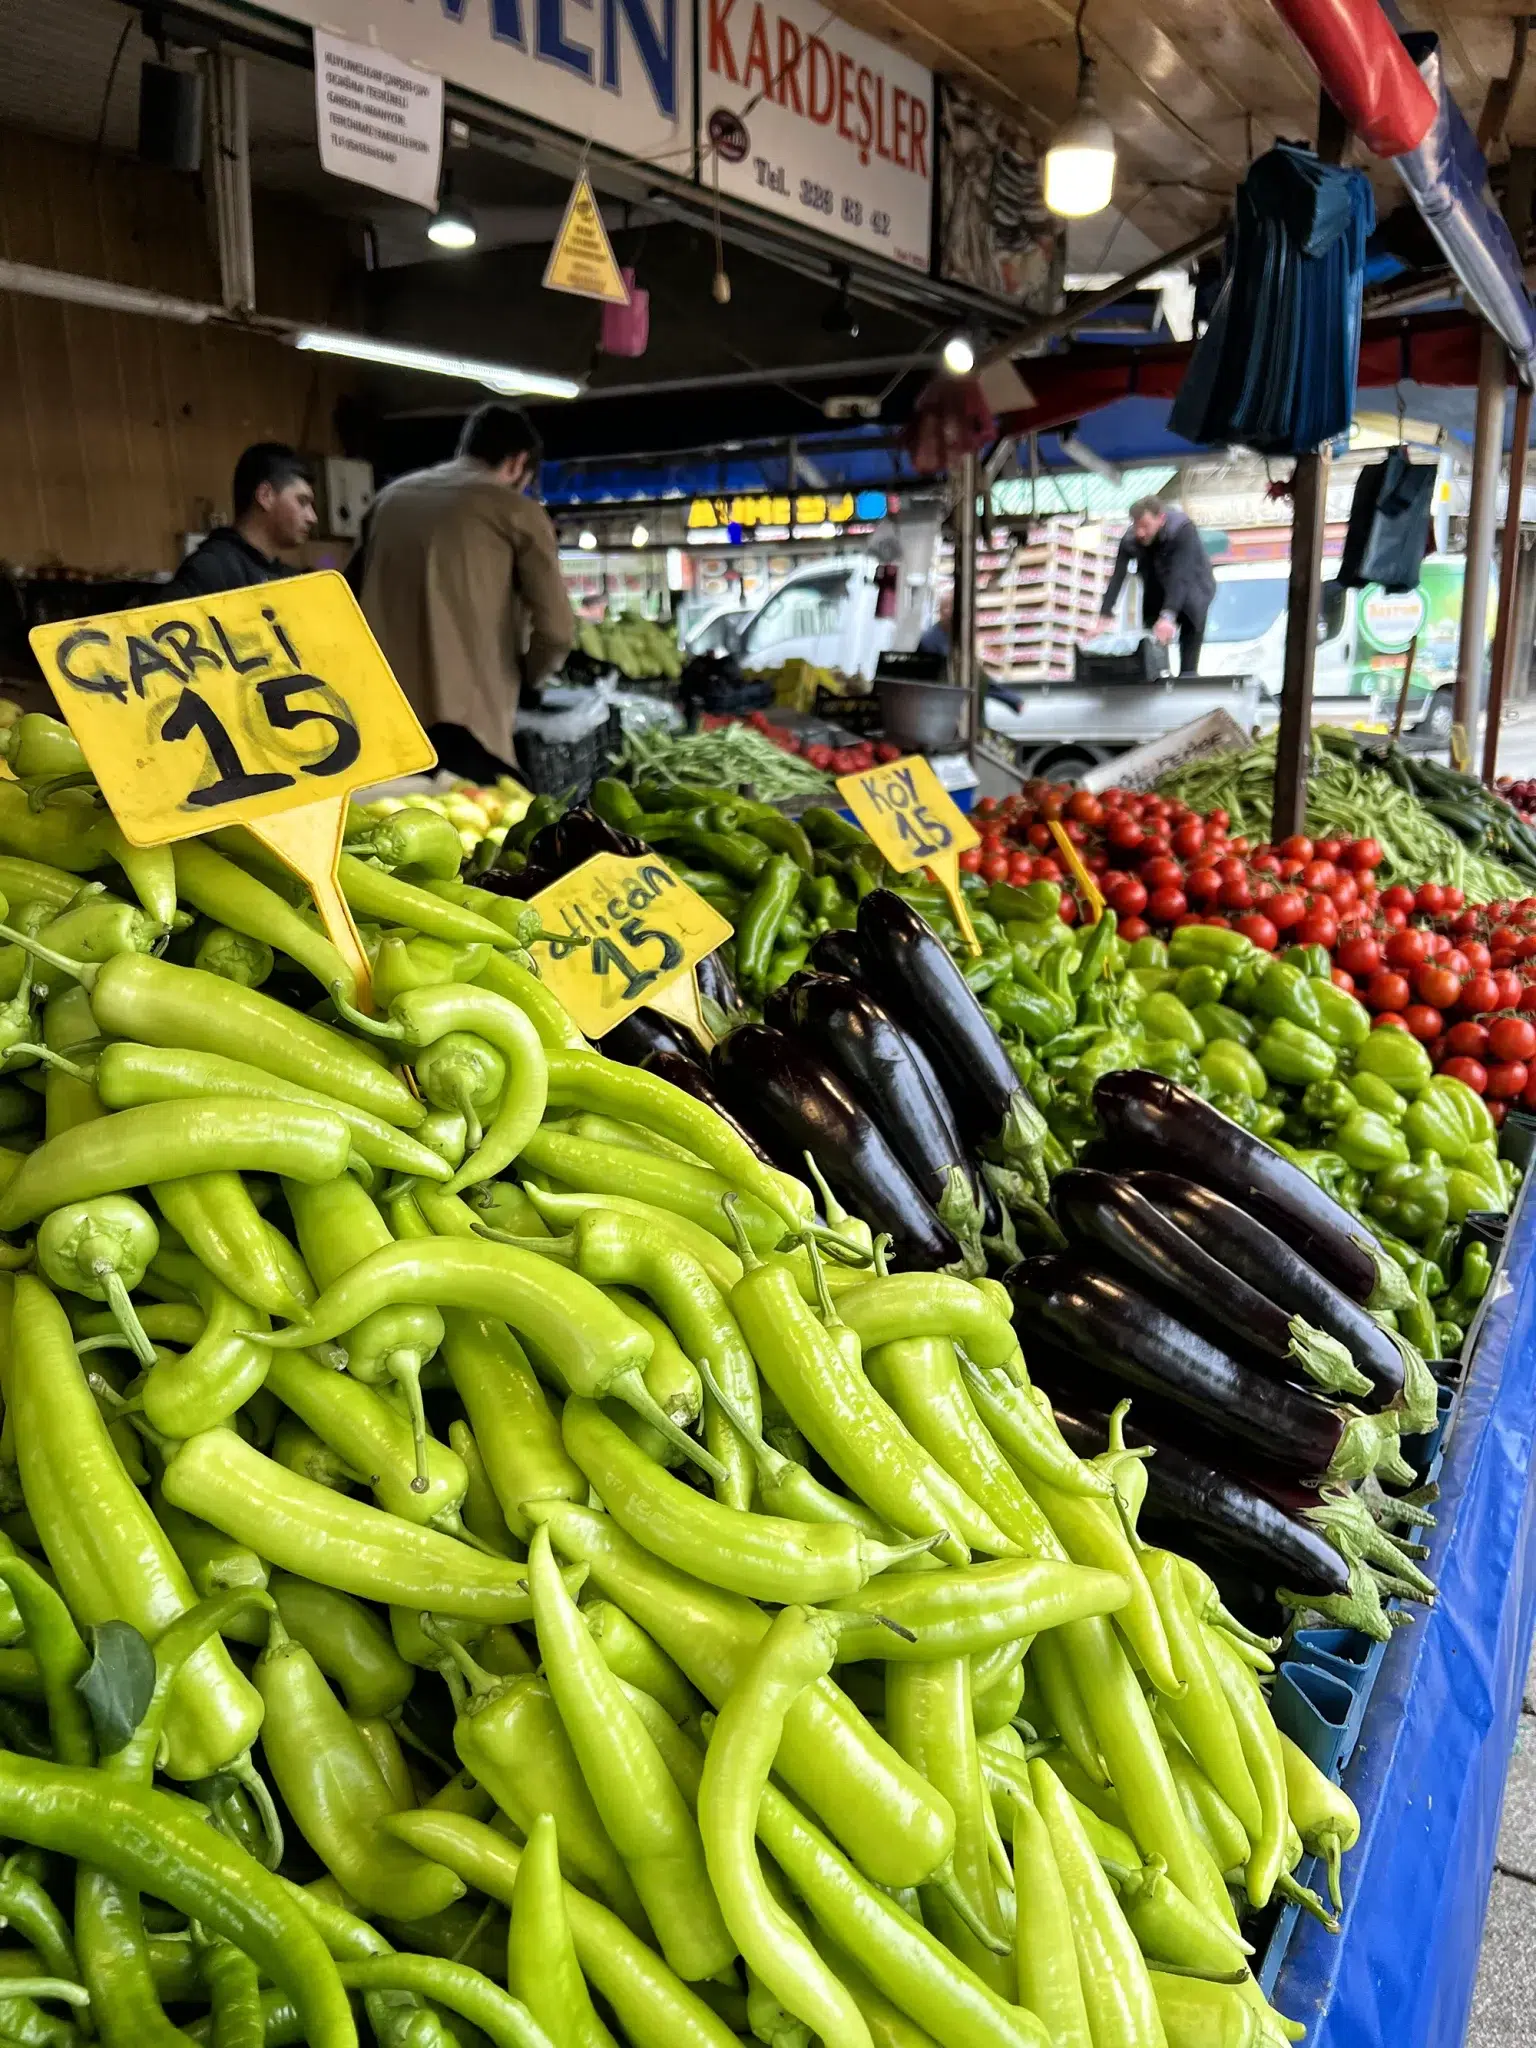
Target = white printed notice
(380,119)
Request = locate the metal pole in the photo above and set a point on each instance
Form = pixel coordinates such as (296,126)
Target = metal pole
(1082,304)
(1309,508)
(1509,583)
(964,668)
(1482,517)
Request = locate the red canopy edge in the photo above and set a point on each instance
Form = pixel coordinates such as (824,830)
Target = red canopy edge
(1426,348)
(1359,57)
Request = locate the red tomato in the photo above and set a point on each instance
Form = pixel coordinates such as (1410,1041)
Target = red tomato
(1360,957)
(1473,1072)
(1039,836)
(1469,1040)
(1236,894)
(1219,818)
(1124,834)
(1343,980)
(1394,915)
(1479,992)
(995,867)
(987,805)
(1385,990)
(1327,849)
(1345,894)
(1288,908)
(970,861)
(1454,898)
(1319,874)
(1423,1021)
(1260,930)
(1512,1038)
(1430,898)
(1398,897)
(1134,928)
(1044,869)
(1297,847)
(1067,908)
(1189,838)
(1466,924)
(1264,863)
(1290,869)
(1528,996)
(1264,893)
(1407,949)
(1127,897)
(1390,1020)
(1231,869)
(1161,873)
(1498,1111)
(1510,989)
(1240,843)
(1096,863)
(1085,807)
(1439,945)
(1077,834)
(1318,928)
(1020,869)
(1504,937)
(1166,903)
(1363,853)
(1202,885)
(1437,986)
(1526,950)
(1456,961)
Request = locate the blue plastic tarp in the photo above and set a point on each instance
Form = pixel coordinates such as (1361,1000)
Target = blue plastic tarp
(1428,1775)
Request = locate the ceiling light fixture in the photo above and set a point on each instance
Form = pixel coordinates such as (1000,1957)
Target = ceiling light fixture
(959,355)
(453,225)
(1078,173)
(498,377)
(586,539)
(639,537)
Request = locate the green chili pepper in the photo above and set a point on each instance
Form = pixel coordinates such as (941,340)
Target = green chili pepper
(1233,1070)
(1260,1740)
(1200,1712)
(1294,1055)
(348,1642)
(102,1249)
(223,1229)
(774,891)
(416,839)
(1045,1954)
(1476,1272)
(403,963)
(223,891)
(1369,1142)
(1096,952)
(1396,1058)
(542,1966)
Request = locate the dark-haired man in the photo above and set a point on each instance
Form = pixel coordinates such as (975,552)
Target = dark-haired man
(460,580)
(274,496)
(1177,581)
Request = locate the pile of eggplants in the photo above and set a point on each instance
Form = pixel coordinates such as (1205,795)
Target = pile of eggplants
(1209,1279)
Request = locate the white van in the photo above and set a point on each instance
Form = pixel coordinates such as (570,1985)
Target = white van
(823,614)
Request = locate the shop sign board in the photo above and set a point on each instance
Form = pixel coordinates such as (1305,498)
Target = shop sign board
(804,116)
(809,509)
(619,72)
(380,121)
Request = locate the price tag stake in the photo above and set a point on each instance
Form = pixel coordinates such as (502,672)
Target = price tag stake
(263,707)
(636,934)
(915,823)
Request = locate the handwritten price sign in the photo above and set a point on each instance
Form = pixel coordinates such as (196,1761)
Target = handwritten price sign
(263,707)
(635,930)
(915,823)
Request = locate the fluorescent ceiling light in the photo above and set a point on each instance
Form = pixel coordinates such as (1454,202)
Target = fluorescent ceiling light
(499,377)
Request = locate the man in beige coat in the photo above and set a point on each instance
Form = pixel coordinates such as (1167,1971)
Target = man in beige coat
(461,584)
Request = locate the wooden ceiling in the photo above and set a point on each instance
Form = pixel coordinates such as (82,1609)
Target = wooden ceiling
(1194,88)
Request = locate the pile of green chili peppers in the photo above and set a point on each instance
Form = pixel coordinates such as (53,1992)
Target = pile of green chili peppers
(461,1507)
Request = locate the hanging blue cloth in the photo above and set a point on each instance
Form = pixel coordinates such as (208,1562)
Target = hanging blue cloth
(1275,369)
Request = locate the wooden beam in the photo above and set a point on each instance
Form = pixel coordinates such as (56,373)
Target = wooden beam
(1501,92)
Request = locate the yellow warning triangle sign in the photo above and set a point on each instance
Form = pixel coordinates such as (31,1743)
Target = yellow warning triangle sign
(582,259)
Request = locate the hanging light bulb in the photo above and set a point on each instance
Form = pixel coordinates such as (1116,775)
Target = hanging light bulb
(453,225)
(586,539)
(959,356)
(1079,168)
(639,537)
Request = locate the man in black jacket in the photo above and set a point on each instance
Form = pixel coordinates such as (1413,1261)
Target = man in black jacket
(1177,583)
(274,507)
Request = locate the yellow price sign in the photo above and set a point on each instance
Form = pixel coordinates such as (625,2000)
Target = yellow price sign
(634,932)
(915,823)
(263,707)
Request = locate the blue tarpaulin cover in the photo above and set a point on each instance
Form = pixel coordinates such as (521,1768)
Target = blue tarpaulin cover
(1428,1776)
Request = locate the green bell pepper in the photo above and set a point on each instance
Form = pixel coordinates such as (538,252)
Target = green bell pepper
(1172,1057)
(1473,1188)
(1371,1092)
(1447,1116)
(1287,994)
(1033,943)
(1163,1016)
(1147,952)
(1328,1102)
(1314,961)
(1367,1141)
(1208,945)
(1141,982)
(1326,1168)
(986,969)
(1220,1020)
(1476,1272)
(1232,1069)
(1029,1006)
(1413,1198)
(1289,1053)
(1112,1051)
(1198,985)
(1035,903)
(1449,1338)
(1396,1058)
(1344,1021)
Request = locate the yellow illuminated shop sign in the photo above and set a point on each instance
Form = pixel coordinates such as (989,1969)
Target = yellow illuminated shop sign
(766,511)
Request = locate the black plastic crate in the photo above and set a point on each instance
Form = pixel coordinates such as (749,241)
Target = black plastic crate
(551,767)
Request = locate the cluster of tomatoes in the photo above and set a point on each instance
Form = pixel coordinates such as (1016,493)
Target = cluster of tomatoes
(851,759)
(1461,989)
(1159,864)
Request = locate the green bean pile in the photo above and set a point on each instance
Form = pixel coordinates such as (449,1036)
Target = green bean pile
(730,756)
(1345,796)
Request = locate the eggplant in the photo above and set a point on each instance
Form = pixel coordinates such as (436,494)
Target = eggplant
(1161,1124)
(1114,1216)
(836,951)
(693,1077)
(779,1003)
(1255,1254)
(557,848)
(1128,1335)
(718,986)
(908,967)
(645,1032)
(793,1104)
(863,1043)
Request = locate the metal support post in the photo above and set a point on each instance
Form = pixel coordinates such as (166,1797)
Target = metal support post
(1309,488)
(1482,518)
(1509,585)
(964,668)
